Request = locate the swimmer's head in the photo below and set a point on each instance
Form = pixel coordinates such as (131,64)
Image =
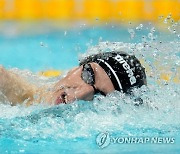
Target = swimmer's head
(124,70)
(132,73)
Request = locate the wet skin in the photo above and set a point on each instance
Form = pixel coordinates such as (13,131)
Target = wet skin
(67,90)
(72,87)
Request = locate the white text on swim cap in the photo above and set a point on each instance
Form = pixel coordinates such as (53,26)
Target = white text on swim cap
(126,66)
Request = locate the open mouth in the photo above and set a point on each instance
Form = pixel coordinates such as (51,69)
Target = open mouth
(61,99)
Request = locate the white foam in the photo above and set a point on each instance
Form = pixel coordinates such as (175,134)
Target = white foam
(115,112)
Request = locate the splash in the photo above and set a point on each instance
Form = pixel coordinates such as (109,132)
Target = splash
(116,112)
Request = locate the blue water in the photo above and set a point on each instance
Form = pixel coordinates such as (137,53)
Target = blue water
(73,128)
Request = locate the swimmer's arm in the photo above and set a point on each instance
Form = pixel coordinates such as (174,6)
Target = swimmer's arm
(63,81)
(15,88)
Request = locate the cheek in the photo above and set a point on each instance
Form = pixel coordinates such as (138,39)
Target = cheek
(87,93)
(71,96)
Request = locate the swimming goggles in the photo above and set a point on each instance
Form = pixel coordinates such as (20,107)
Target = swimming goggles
(88,77)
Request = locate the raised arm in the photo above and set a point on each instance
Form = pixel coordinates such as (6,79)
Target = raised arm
(15,88)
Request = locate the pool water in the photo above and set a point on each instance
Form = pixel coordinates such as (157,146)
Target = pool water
(74,128)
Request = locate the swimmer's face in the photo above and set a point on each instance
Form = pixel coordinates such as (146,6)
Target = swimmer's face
(72,88)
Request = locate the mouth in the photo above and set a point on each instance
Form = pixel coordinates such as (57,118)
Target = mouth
(61,99)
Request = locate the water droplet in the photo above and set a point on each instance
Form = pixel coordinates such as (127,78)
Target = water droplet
(160,17)
(169,16)
(21,150)
(144,39)
(100,39)
(153,30)
(65,33)
(165,21)
(41,44)
(150,35)
(174,31)
(139,27)
(132,33)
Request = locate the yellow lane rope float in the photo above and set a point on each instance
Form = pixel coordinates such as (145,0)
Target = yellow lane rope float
(50,73)
(138,10)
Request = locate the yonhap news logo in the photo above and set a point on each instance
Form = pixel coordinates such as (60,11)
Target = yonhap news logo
(105,139)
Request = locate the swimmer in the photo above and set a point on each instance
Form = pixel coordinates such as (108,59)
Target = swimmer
(97,74)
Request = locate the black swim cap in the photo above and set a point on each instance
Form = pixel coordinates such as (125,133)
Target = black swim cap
(124,70)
